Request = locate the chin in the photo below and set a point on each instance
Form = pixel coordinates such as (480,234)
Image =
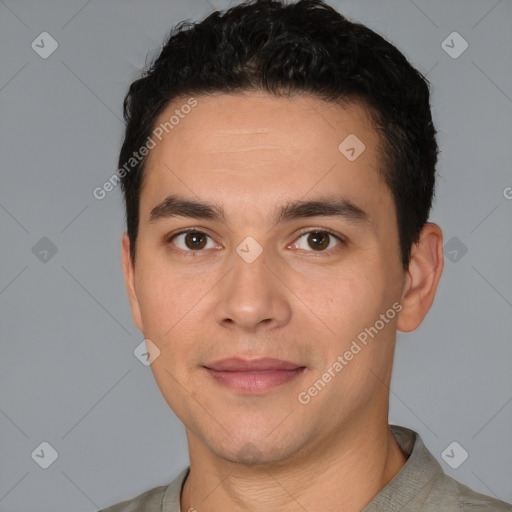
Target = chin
(257,449)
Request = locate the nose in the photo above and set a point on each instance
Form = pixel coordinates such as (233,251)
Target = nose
(253,296)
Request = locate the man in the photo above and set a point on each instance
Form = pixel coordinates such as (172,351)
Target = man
(278,170)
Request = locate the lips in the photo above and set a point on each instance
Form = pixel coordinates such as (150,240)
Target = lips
(253,376)
(236,364)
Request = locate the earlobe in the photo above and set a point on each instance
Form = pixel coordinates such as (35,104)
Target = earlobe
(422,278)
(129,279)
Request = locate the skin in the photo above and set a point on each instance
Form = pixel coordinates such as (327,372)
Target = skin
(251,153)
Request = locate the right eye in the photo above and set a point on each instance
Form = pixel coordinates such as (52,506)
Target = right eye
(192,240)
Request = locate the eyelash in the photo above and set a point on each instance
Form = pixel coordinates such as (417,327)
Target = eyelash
(190,253)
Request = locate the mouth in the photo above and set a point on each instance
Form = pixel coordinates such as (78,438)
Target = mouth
(253,376)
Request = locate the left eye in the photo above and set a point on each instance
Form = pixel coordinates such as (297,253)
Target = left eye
(316,240)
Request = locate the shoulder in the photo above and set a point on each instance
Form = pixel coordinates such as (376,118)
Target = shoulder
(159,499)
(449,494)
(422,484)
(148,501)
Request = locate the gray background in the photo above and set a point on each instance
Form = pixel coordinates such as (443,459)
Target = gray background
(68,373)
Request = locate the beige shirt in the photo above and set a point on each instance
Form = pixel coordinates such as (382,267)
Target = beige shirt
(420,485)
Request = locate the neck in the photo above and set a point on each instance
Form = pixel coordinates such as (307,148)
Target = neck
(343,472)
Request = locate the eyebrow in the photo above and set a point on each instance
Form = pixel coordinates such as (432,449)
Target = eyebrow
(329,206)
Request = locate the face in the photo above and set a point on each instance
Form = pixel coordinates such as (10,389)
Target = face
(261,238)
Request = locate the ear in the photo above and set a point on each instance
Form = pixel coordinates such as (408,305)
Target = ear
(129,279)
(422,277)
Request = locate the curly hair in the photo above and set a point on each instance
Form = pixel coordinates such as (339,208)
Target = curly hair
(304,47)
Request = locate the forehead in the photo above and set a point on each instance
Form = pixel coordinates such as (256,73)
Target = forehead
(258,119)
(251,148)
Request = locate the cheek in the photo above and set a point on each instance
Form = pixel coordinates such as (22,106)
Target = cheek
(352,304)
(177,316)
(346,299)
(165,299)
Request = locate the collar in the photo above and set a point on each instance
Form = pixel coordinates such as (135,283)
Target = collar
(408,484)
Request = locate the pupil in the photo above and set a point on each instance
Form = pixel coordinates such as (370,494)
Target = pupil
(195,240)
(320,240)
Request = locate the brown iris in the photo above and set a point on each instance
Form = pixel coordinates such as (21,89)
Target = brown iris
(318,240)
(195,240)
